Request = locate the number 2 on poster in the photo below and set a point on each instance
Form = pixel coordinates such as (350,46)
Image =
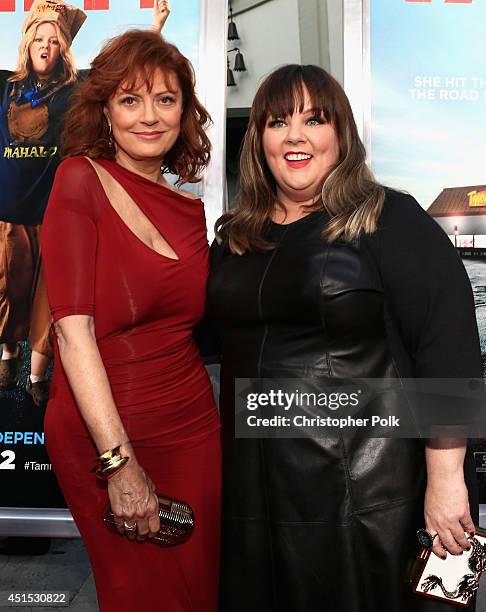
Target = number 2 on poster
(8,462)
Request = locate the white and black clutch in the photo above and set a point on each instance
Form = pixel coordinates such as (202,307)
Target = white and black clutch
(454,579)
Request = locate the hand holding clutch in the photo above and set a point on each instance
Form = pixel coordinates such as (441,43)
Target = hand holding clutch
(176,522)
(454,579)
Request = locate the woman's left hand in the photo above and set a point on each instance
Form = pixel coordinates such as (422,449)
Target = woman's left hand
(160,14)
(447,513)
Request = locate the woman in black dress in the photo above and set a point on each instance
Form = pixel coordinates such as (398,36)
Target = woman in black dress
(322,272)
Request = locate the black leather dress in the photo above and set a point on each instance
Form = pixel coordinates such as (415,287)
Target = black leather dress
(328,525)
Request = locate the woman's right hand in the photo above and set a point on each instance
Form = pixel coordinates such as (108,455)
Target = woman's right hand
(133,500)
(160,14)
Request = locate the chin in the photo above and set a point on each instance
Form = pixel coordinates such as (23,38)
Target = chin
(302,189)
(150,149)
(141,155)
(145,152)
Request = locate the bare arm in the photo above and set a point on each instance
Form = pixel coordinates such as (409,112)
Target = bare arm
(446,500)
(88,380)
(130,490)
(160,14)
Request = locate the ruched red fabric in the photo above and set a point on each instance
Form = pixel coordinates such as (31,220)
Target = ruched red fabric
(145,307)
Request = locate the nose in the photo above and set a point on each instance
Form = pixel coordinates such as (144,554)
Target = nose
(149,115)
(295,133)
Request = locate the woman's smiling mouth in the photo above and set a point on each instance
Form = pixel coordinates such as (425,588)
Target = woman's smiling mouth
(297,159)
(148,135)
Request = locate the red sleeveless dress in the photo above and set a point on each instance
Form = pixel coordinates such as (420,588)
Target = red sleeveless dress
(145,307)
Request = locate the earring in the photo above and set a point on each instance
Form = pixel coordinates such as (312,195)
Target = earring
(111,142)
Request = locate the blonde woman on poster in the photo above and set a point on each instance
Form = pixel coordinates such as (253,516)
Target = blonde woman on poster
(33,101)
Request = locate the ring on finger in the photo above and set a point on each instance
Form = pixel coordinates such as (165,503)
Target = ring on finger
(130,527)
(426,538)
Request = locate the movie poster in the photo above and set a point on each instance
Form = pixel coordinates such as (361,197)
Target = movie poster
(428,117)
(423,106)
(32,107)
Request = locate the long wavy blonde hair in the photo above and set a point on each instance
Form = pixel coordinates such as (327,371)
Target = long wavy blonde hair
(350,193)
(65,70)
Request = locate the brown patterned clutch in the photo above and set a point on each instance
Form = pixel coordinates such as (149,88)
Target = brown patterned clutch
(176,522)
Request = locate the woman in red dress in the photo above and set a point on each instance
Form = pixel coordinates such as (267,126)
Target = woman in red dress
(126,272)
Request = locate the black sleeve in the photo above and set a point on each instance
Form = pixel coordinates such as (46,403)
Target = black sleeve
(428,291)
(207,340)
(206,331)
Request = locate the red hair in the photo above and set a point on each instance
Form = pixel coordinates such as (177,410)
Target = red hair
(128,59)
